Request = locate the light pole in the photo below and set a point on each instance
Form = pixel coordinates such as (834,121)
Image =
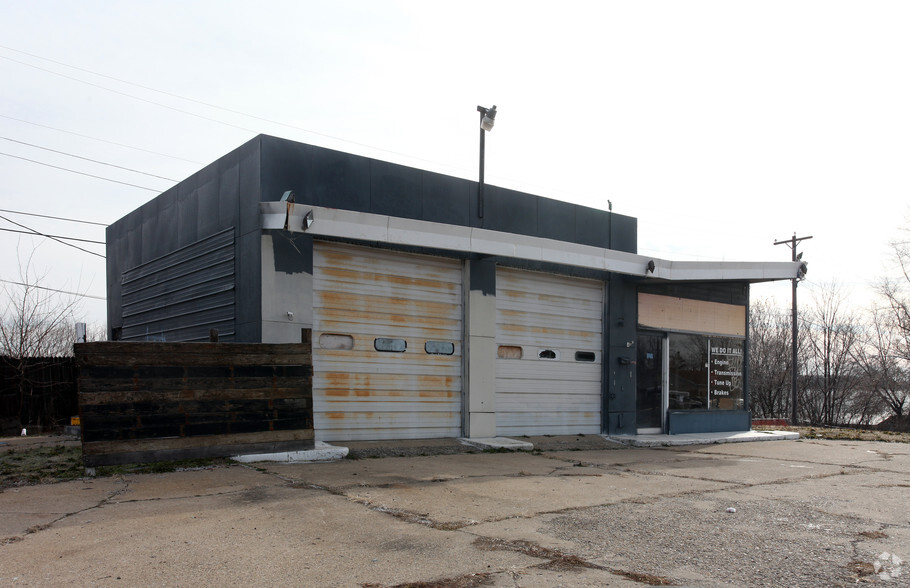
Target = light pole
(792,243)
(487,117)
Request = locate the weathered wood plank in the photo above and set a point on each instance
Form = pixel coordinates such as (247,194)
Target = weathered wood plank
(193,354)
(118,396)
(137,454)
(103,447)
(145,401)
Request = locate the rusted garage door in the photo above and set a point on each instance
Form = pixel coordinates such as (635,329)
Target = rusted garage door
(387,330)
(549,332)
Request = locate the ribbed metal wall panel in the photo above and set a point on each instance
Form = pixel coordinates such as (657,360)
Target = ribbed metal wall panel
(183,295)
(362,393)
(537,312)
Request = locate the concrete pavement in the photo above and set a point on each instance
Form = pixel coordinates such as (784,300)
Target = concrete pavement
(807,513)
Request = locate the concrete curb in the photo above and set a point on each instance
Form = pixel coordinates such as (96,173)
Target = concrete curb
(320,452)
(498,443)
(701,438)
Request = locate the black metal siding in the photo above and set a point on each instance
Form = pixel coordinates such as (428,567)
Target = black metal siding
(225,194)
(723,292)
(182,295)
(334,179)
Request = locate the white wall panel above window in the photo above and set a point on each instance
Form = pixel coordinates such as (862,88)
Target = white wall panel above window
(670,313)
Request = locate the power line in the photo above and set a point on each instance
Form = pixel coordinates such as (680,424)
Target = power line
(72,220)
(54,236)
(81,173)
(252,116)
(149,88)
(50,237)
(54,290)
(146,100)
(88,159)
(28,122)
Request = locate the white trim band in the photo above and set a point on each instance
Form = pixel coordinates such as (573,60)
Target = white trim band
(348,224)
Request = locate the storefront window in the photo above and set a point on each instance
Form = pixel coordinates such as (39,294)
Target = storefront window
(705,372)
(726,373)
(688,371)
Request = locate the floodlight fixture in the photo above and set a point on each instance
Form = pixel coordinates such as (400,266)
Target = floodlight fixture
(487,117)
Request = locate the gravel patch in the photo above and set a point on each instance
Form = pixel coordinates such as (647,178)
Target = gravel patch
(697,541)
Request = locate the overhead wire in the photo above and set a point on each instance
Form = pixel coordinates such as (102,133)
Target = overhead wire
(193,100)
(146,100)
(149,88)
(209,105)
(81,173)
(40,234)
(88,159)
(61,218)
(124,145)
(54,236)
(53,289)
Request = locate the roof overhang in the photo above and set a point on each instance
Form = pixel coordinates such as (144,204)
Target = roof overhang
(362,226)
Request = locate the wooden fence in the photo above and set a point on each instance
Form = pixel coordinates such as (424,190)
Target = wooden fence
(151,401)
(36,393)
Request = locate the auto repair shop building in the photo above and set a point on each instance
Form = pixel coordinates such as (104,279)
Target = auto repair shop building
(432,317)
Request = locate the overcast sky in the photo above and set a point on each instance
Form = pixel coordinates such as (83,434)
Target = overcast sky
(722,126)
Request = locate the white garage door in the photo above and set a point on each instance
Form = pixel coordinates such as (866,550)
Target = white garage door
(549,335)
(387,349)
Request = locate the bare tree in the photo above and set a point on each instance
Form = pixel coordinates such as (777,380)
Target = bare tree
(831,376)
(896,292)
(887,355)
(36,324)
(887,373)
(769,360)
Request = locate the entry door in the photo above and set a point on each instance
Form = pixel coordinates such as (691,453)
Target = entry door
(650,389)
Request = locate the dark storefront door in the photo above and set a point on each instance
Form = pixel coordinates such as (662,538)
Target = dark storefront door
(649,392)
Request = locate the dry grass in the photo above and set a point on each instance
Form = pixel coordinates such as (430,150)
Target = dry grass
(839,434)
(40,465)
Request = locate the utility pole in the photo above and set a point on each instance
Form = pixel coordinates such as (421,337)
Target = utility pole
(792,243)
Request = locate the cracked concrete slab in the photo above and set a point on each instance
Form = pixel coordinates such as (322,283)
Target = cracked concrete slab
(280,536)
(894,456)
(26,507)
(730,469)
(575,518)
(882,499)
(188,483)
(472,499)
(712,547)
(410,470)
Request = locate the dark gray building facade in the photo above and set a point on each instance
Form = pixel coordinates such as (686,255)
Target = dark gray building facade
(428,319)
